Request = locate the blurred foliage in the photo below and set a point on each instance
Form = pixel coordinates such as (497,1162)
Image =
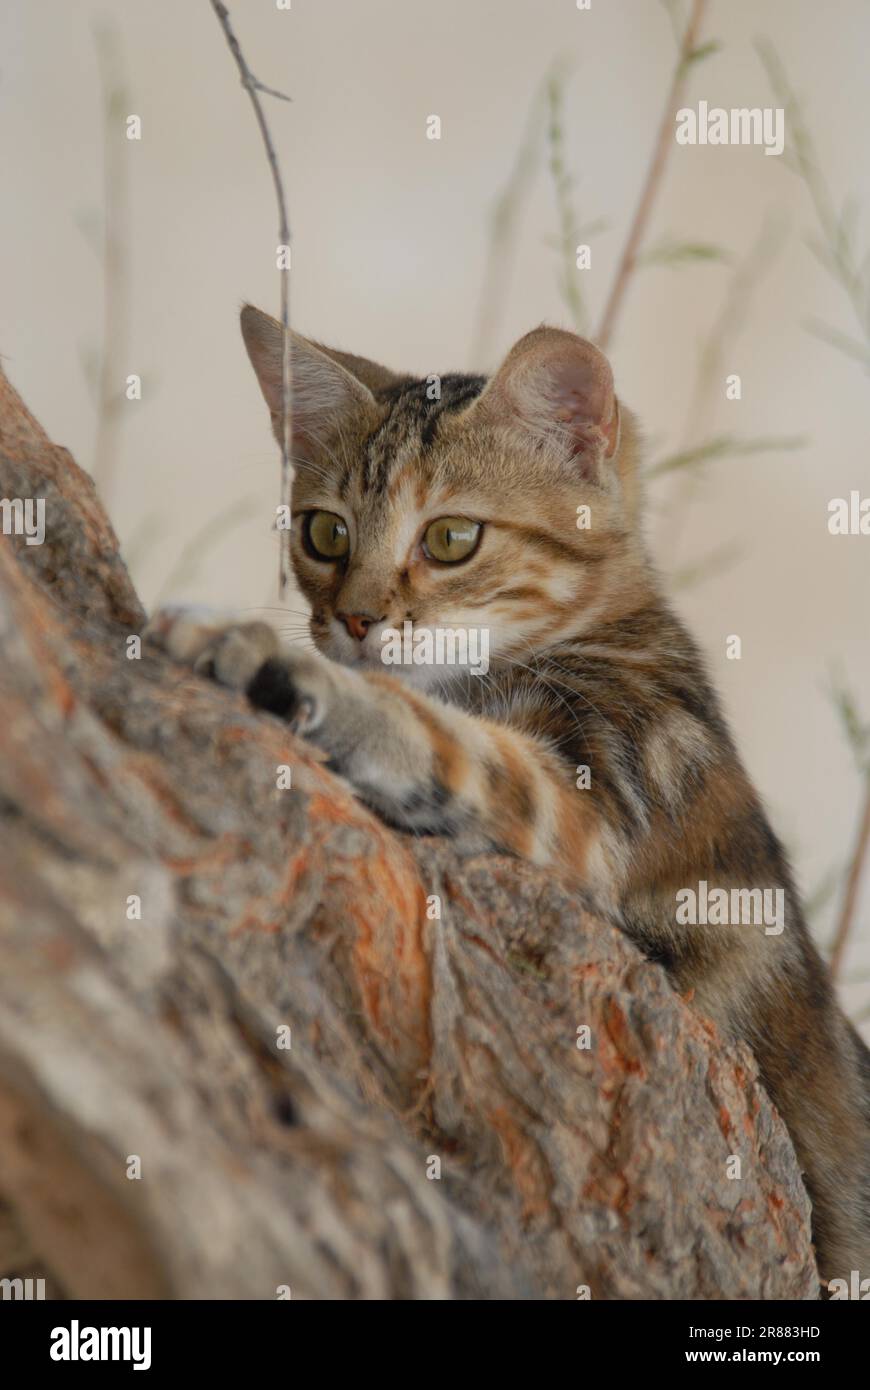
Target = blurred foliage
(571,233)
(835,245)
(855,729)
(202,543)
(724,446)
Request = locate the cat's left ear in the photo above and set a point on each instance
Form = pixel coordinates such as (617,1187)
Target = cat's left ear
(557,388)
(329,388)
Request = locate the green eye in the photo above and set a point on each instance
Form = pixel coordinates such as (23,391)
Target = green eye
(451,538)
(326,535)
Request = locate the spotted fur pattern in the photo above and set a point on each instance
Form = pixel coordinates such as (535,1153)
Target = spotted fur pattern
(589,669)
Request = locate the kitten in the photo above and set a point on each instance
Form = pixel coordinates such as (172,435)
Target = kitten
(510,507)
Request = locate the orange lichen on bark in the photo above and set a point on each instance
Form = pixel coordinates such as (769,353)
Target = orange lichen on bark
(525,1162)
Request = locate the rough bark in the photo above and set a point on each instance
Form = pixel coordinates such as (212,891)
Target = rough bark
(411,1038)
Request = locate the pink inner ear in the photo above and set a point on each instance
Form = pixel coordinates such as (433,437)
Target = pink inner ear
(581,393)
(553,383)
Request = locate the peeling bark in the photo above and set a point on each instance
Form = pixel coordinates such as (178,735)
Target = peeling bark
(413,1037)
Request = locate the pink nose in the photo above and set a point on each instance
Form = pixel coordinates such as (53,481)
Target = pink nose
(357,624)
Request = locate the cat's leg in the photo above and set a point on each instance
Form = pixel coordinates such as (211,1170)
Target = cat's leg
(423,765)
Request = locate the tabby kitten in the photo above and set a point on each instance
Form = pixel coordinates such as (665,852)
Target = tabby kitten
(466,509)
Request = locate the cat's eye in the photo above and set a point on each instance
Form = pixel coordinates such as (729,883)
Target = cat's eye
(326,535)
(451,538)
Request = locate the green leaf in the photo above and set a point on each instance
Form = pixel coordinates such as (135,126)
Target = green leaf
(699,54)
(677,253)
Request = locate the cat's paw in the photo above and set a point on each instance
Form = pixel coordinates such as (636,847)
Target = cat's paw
(303,689)
(213,643)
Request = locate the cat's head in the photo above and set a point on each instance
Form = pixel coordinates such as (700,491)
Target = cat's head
(504,506)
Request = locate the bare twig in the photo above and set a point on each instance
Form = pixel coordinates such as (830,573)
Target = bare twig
(114,243)
(652,181)
(853,882)
(253,87)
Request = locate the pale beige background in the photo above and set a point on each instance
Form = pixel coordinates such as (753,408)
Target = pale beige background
(390,242)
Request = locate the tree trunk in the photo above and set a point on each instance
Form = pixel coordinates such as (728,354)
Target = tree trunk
(433,1130)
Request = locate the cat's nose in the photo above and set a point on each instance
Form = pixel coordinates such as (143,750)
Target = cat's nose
(357,624)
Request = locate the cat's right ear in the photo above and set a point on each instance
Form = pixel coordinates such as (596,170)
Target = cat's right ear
(325,396)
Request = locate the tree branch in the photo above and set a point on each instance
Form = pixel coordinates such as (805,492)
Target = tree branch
(374,1066)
